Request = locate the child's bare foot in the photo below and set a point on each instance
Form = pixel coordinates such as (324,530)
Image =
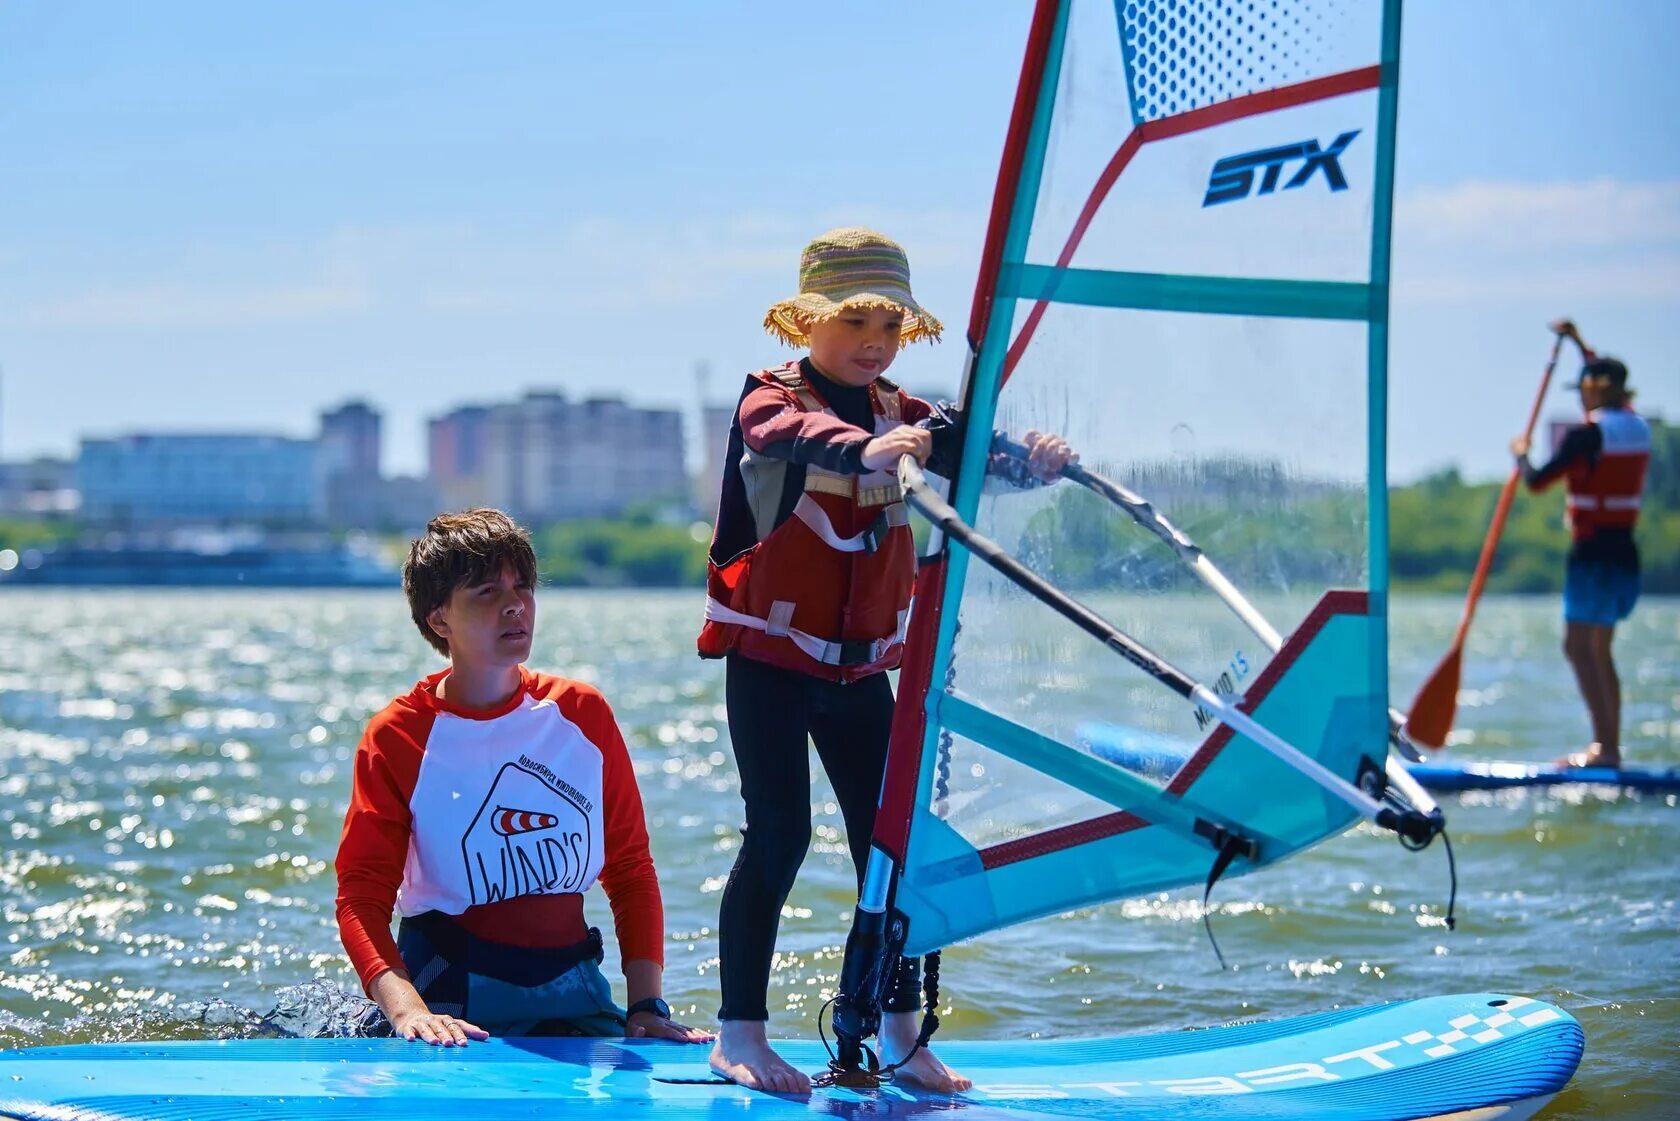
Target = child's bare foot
(1596,755)
(743,1055)
(898,1035)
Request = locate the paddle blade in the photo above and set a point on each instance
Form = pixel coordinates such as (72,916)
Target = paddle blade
(1436,703)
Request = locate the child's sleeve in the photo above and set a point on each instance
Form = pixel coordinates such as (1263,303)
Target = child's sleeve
(374,846)
(627,873)
(773,424)
(948,425)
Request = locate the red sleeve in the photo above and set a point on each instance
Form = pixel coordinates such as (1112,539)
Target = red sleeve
(627,873)
(1582,443)
(773,424)
(374,847)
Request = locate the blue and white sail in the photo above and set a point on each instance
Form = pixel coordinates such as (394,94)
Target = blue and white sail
(1186,275)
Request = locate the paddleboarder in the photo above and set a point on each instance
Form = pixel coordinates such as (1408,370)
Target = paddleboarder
(1602,462)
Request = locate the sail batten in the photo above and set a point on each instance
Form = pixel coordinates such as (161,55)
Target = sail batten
(1203,295)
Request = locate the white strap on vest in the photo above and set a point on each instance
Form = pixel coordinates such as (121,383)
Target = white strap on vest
(858,653)
(809,511)
(1613,502)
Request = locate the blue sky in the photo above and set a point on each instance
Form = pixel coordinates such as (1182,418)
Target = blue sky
(229,216)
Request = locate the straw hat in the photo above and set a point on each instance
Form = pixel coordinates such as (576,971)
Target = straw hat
(847,268)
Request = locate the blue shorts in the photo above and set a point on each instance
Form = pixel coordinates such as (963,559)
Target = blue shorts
(1599,594)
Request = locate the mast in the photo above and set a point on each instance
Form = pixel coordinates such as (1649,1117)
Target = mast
(873,946)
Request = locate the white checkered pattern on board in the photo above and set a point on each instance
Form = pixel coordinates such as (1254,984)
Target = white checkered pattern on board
(1481,1029)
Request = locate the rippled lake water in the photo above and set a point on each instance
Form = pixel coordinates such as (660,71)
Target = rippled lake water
(174,768)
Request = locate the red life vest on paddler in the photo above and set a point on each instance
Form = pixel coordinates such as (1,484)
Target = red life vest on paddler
(816,580)
(1604,490)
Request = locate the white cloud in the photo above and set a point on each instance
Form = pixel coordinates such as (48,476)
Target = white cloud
(1474,243)
(1652,278)
(596,264)
(1593,214)
(1485,242)
(169,305)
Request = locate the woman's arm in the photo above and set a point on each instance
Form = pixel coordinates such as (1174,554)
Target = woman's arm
(629,879)
(370,860)
(645,980)
(410,1018)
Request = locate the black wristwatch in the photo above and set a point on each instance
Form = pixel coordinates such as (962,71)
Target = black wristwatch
(653,1004)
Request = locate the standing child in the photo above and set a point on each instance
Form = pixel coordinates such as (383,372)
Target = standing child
(485,802)
(808,589)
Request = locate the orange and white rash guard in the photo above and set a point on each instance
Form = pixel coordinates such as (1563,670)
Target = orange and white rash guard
(500,817)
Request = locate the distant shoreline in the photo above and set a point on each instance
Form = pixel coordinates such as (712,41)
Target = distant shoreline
(1436,529)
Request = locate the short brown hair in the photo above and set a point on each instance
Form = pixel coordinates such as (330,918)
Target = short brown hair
(461,550)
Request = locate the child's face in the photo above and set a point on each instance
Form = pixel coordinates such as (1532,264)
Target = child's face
(488,625)
(856,346)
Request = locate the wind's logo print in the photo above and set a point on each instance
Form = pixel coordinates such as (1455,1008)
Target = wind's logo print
(1233,177)
(528,838)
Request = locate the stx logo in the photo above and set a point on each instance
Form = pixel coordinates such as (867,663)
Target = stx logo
(1233,176)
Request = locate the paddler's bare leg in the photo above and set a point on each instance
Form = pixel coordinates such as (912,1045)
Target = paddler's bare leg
(1610,695)
(1587,647)
(898,1036)
(743,1054)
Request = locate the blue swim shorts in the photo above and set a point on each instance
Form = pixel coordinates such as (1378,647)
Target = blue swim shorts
(1599,594)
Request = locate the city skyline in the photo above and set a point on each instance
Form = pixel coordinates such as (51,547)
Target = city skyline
(248,219)
(309,427)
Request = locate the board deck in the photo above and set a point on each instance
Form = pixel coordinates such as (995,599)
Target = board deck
(1498,775)
(1431,1057)
(1160,757)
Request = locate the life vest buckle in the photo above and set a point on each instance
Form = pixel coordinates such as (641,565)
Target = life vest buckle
(857,652)
(876,533)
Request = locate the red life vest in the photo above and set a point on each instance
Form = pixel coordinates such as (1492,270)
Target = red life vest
(1604,493)
(827,591)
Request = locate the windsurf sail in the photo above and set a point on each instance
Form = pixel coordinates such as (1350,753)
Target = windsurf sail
(1186,275)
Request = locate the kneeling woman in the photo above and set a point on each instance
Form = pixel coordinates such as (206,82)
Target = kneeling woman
(485,801)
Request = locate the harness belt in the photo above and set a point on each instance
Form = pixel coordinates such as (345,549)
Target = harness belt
(856,652)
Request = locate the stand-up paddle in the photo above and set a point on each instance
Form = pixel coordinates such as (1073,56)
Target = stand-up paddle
(1436,702)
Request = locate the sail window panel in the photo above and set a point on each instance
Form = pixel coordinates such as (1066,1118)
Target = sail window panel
(990,799)
(1179,388)
(1249,434)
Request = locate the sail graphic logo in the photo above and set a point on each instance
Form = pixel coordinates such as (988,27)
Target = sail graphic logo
(1232,178)
(529,837)
(1226,686)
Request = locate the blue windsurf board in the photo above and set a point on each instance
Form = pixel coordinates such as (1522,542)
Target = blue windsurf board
(1436,1057)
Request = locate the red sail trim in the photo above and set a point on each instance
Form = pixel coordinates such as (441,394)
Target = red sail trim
(1249,105)
(1066,837)
(1332,604)
(1009,167)
(1105,182)
(909,725)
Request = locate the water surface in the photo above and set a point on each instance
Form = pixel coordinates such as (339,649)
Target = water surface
(174,768)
